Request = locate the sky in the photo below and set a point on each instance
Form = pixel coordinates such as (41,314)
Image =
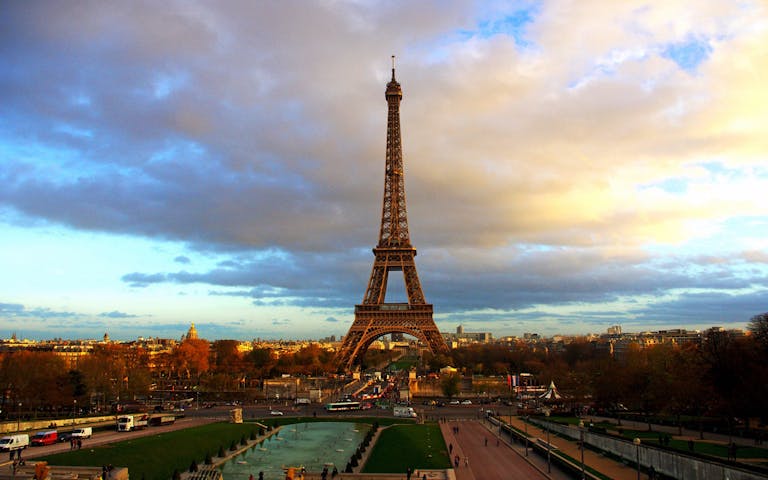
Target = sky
(568,165)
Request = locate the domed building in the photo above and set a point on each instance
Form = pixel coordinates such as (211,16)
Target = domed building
(191,333)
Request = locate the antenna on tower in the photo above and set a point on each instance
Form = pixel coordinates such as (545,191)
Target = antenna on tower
(393,67)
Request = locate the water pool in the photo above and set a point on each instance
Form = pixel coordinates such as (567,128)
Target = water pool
(309,445)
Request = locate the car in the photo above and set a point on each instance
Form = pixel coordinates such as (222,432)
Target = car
(454,402)
(276,412)
(467,402)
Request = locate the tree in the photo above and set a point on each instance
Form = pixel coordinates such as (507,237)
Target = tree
(227,356)
(449,384)
(758,325)
(190,357)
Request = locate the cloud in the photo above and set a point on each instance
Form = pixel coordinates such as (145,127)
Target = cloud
(116,314)
(556,153)
(13,310)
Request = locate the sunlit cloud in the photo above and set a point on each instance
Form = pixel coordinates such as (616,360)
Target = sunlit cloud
(567,163)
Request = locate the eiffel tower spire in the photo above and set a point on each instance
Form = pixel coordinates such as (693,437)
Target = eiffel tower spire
(394,219)
(394,252)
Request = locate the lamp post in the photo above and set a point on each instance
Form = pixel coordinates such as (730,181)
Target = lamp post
(549,463)
(526,435)
(636,441)
(581,443)
(74,410)
(18,418)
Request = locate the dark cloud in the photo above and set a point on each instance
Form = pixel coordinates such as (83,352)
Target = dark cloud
(182,259)
(14,310)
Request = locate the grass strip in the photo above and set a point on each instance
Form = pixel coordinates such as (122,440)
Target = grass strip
(400,447)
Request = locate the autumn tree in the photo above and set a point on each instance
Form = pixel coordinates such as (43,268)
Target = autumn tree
(39,380)
(227,356)
(261,361)
(191,358)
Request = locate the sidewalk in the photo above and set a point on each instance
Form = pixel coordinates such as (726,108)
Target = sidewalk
(602,464)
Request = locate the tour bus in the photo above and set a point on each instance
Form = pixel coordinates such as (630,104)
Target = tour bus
(342,406)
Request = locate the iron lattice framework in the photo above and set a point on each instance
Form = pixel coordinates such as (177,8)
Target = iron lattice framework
(394,252)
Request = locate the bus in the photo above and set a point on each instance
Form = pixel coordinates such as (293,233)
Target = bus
(342,406)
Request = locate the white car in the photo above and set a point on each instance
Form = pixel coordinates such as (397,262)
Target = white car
(467,402)
(275,412)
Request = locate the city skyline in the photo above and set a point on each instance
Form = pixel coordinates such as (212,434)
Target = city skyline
(569,166)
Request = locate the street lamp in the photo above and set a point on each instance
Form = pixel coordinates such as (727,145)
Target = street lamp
(636,441)
(74,409)
(549,464)
(581,438)
(18,418)
(526,435)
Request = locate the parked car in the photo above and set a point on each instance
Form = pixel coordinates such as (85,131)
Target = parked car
(276,412)
(467,402)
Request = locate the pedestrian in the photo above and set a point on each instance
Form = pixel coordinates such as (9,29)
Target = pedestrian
(261,475)
(250,477)
(408,473)
(456,461)
(486,441)
(466,461)
(333,473)
(450,448)
(79,443)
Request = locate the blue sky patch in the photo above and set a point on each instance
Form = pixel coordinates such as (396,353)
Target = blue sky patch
(688,54)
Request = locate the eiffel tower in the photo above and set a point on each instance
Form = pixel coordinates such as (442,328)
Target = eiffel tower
(394,252)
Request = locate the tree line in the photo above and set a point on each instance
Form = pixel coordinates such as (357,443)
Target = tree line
(39,383)
(724,376)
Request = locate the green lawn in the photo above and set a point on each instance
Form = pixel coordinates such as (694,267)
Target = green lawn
(402,446)
(155,457)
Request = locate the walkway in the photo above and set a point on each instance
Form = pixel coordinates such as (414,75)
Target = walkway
(481,461)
